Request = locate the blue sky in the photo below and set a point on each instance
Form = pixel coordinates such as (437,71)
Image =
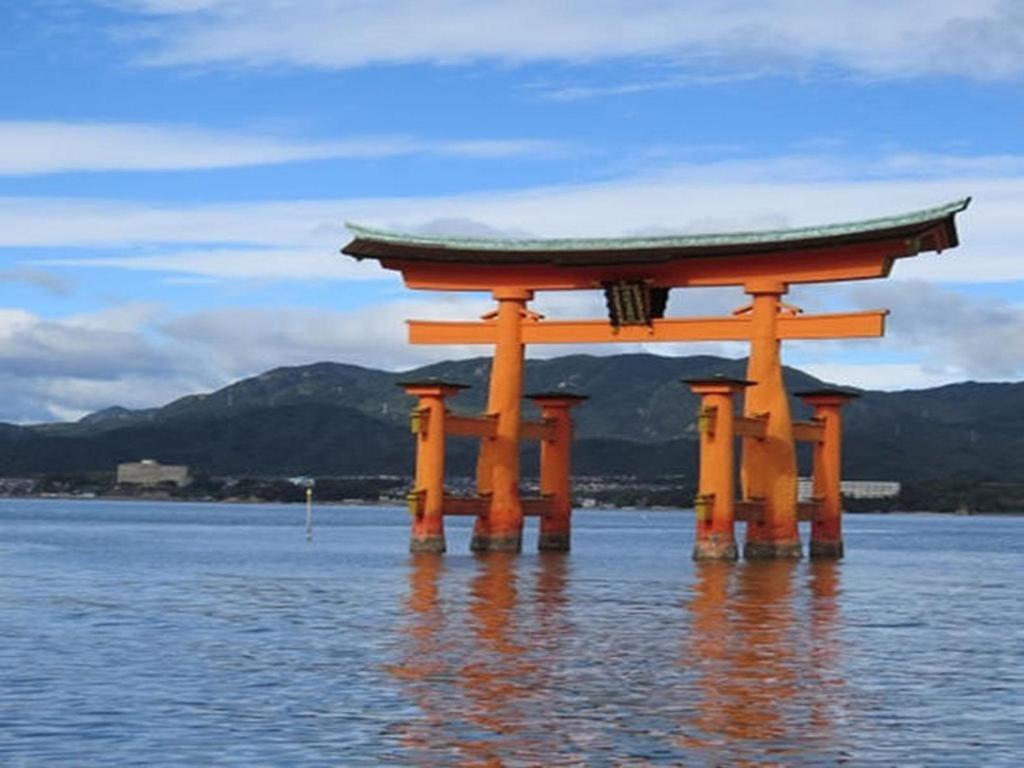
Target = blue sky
(174,174)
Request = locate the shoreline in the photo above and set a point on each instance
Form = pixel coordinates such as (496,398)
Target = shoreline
(398,503)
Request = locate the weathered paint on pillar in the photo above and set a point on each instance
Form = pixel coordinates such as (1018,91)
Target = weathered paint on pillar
(715,506)
(827,525)
(769,465)
(426,501)
(555,467)
(502,528)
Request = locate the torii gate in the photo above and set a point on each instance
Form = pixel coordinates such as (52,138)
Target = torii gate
(636,275)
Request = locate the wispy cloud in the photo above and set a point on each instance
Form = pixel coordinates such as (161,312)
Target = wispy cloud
(300,238)
(40,278)
(237,264)
(42,147)
(981,39)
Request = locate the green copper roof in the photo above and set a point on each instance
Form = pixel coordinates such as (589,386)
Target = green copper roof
(762,238)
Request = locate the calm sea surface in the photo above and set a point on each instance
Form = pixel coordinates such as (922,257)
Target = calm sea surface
(175,634)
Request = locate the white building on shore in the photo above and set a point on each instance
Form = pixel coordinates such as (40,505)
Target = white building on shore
(854,489)
(152,472)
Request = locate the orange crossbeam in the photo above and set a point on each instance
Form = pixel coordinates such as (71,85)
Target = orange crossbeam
(752,510)
(750,426)
(471,426)
(808,431)
(749,510)
(841,325)
(537,430)
(807,511)
(477,506)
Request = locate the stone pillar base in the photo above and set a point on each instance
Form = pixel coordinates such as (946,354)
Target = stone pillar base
(553,542)
(773,550)
(826,550)
(433,544)
(711,549)
(485,543)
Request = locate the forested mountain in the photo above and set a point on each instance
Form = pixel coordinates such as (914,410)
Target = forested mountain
(338,419)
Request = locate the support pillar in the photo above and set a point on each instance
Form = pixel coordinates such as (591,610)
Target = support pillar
(827,525)
(555,465)
(716,493)
(426,500)
(501,529)
(769,465)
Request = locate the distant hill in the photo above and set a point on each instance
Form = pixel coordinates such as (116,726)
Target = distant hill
(338,419)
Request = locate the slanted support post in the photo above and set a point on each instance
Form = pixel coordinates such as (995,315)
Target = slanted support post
(715,505)
(555,465)
(501,530)
(426,500)
(827,525)
(769,464)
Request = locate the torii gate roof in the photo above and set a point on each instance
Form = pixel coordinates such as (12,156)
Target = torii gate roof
(853,251)
(932,229)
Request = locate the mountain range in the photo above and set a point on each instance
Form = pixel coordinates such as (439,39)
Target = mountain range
(338,419)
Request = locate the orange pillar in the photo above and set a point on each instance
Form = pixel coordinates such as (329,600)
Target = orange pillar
(716,493)
(555,464)
(769,465)
(426,501)
(827,525)
(498,470)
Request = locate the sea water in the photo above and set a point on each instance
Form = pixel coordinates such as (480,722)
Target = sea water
(193,634)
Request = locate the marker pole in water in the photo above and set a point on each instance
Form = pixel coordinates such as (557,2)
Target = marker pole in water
(309,514)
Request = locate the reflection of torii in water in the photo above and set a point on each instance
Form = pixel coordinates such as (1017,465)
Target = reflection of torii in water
(636,275)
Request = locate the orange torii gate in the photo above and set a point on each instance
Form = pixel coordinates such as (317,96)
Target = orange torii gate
(636,275)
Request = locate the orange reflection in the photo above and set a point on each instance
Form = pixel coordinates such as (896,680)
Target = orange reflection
(423,659)
(479,670)
(827,708)
(759,660)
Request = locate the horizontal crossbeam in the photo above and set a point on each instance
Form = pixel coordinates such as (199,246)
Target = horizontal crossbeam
(471,426)
(808,431)
(752,510)
(480,426)
(478,506)
(751,426)
(841,325)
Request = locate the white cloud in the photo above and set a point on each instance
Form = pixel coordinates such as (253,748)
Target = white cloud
(39,278)
(238,264)
(875,38)
(301,238)
(40,147)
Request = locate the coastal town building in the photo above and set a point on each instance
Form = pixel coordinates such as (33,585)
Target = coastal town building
(152,472)
(854,489)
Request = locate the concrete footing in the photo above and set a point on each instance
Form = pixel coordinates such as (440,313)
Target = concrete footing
(773,550)
(484,543)
(715,549)
(433,544)
(825,550)
(553,542)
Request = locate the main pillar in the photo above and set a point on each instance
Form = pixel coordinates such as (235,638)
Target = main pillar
(501,529)
(715,506)
(426,501)
(555,465)
(769,465)
(827,525)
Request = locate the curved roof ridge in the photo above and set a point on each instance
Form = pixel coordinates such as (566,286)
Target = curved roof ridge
(744,237)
